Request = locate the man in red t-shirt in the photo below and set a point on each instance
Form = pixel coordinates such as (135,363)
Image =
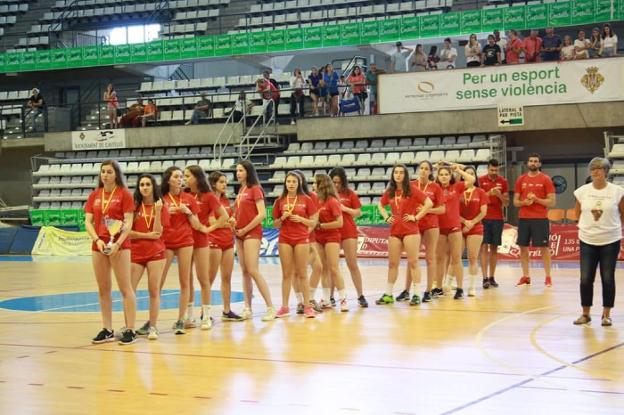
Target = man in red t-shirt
(534,193)
(532,47)
(498,191)
(514,48)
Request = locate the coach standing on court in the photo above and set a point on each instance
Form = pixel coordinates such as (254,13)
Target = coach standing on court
(534,193)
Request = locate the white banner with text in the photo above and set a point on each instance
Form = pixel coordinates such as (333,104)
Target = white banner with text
(590,80)
(98,139)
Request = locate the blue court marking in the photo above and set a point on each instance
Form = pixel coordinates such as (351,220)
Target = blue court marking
(15,258)
(89,301)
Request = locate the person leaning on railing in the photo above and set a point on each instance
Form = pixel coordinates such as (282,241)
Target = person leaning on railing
(35,106)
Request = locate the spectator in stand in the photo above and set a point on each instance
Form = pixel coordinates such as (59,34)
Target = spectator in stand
(532,47)
(534,194)
(473,51)
(314,80)
(551,46)
(202,109)
(35,106)
(419,60)
(150,112)
(491,55)
(433,58)
(342,88)
(357,82)
(241,107)
(132,117)
(581,46)
(112,104)
(297,83)
(608,45)
(567,50)
(502,44)
(594,43)
(448,55)
(324,98)
(371,81)
(399,58)
(514,48)
(331,78)
(270,95)
(267,75)
(600,208)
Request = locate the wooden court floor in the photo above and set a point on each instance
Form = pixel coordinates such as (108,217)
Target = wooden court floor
(508,351)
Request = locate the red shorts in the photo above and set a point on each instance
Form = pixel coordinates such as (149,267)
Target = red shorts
(177,246)
(448,231)
(140,260)
(222,246)
(312,237)
(125,245)
(476,230)
(200,240)
(349,235)
(325,240)
(401,236)
(255,233)
(293,241)
(425,228)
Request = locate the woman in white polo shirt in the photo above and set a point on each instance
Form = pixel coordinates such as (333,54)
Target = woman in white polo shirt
(600,207)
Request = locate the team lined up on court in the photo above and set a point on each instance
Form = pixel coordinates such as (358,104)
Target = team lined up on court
(189,217)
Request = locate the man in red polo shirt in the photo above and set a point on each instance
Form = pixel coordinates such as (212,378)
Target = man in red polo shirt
(534,193)
(532,47)
(498,191)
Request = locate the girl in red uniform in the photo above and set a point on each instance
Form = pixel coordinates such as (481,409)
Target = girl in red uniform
(350,206)
(328,239)
(429,231)
(178,237)
(408,205)
(222,246)
(111,200)
(249,214)
(313,260)
(293,213)
(473,208)
(450,240)
(196,184)
(148,249)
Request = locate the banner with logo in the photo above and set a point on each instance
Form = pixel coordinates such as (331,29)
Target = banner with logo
(595,80)
(98,139)
(57,242)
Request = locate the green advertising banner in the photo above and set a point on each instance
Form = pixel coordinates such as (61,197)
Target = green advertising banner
(471,22)
(172,49)
(106,55)
(12,63)
(205,46)
(370,32)
(74,57)
(536,16)
(515,17)
(559,14)
(188,48)
(123,54)
(492,19)
(240,44)
(582,11)
(139,52)
(313,37)
(331,35)
(258,42)
(410,28)
(450,23)
(28,61)
(3,59)
(390,30)
(90,56)
(155,50)
(603,12)
(430,25)
(223,45)
(43,60)
(350,34)
(58,58)
(275,40)
(294,39)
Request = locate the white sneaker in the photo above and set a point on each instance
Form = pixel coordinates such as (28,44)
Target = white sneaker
(246,314)
(206,323)
(344,306)
(190,323)
(472,292)
(292,122)
(153,333)
(269,315)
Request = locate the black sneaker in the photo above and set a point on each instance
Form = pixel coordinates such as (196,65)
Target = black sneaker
(103,336)
(486,283)
(362,301)
(144,330)
(493,282)
(128,337)
(437,292)
(332,300)
(459,294)
(230,316)
(426,297)
(404,296)
(300,308)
